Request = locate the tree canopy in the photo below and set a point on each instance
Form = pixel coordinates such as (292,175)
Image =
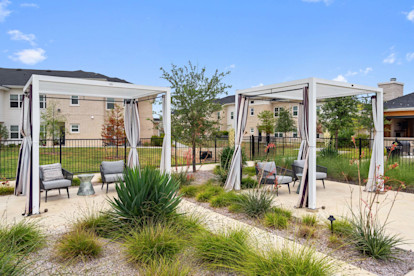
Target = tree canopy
(113,129)
(267,122)
(285,122)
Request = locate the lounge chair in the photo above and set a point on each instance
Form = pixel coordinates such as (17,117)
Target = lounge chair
(297,168)
(53,177)
(111,172)
(269,173)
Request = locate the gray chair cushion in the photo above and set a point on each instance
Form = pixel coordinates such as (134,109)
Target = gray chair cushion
(114,177)
(267,167)
(54,184)
(299,163)
(112,167)
(321,175)
(283,179)
(51,172)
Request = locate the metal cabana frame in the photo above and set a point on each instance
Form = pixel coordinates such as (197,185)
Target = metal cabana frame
(310,90)
(51,85)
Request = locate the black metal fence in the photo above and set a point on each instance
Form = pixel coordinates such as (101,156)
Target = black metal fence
(85,155)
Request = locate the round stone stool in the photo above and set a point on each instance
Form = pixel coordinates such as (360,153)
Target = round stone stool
(85,187)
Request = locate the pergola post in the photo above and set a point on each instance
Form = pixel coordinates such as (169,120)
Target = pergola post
(380,132)
(35,147)
(167,132)
(238,170)
(312,145)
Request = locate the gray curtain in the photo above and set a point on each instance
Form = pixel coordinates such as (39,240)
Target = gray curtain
(301,122)
(304,129)
(24,165)
(163,166)
(373,178)
(132,131)
(233,179)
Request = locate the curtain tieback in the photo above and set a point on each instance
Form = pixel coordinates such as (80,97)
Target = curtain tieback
(133,147)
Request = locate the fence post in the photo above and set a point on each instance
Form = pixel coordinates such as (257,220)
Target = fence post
(117,144)
(252,146)
(175,152)
(125,151)
(360,148)
(60,150)
(215,149)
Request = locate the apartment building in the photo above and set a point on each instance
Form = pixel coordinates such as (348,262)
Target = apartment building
(84,116)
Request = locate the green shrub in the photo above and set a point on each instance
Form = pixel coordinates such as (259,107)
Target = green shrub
(309,220)
(226,155)
(75,181)
(223,199)
(208,191)
(329,152)
(163,267)
(152,242)
(22,237)
(372,240)
(222,250)
(275,220)
(221,174)
(156,141)
(189,191)
(250,171)
(282,211)
(235,208)
(248,183)
(6,190)
(204,196)
(145,194)
(255,203)
(78,244)
(183,178)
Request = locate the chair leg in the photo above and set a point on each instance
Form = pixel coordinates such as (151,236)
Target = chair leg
(67,190)
(103,183)
(288,188)
(294,182)
(59,191)
(46,196)
(323,182)
(107,186)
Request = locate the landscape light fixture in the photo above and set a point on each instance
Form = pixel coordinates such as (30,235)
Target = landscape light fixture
(331,219)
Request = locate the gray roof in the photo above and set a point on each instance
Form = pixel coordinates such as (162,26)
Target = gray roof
(226,100)
(406,101)
(9,76)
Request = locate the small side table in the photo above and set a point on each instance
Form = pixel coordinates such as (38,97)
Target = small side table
(299,175)
(85,187)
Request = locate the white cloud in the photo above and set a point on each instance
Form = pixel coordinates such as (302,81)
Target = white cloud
(18,35)
(4,12)
(260,84)
(410,56)
(410,16)
(29,56)
(351,73)
(231,66)
(327,2)
(390,59)
(340,78)
(29,5)
(366,70)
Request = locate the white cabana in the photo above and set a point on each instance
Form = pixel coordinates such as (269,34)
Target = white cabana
(28,166)
(307,92)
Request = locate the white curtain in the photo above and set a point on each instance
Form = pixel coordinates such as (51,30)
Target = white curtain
(132,131)
(163,164)
(24,167)
(377,153)
(233,177)
(302,133)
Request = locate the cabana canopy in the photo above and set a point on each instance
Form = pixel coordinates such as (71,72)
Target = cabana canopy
(308,92)
(28,179)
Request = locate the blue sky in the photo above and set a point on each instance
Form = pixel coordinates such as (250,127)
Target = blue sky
(260,42)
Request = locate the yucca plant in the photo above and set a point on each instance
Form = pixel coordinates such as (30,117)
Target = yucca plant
(145,195)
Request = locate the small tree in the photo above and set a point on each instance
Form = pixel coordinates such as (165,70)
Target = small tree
(52,121)
(267,122)
(4,133)
(193,102)
(285,122)
(339,113)
(113,130)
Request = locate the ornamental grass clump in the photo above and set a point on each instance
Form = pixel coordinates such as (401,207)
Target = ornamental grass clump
(255,203)
(282,211)
(102,224)
(145,194)
(78,245)
(224,199)
(272,219)
(22,237)
(341,227)
(189,191)
(164,267)
(309,220)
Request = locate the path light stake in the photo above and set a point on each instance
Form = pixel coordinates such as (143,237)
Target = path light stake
(331,219)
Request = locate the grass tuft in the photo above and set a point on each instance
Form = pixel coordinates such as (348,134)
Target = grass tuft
(78,245)
(6,190)
(282,211)
(163,267)
(272,219)
(22,237)
(189,191)
(306,232)
(309,220)
(223,199)
(255,203)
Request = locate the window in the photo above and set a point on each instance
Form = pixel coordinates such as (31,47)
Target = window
(16,100)
(218,115)
(295,111)
(251,130)
(42,101)
(74,100)
(318,135)
(295,134)
(231,115)
(276,111)
(110,103)
(279,134)
(74,128)
(14,132)
(251,111)
(251,102)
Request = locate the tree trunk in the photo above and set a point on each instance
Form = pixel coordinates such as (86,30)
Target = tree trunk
(336,139)
(194,157)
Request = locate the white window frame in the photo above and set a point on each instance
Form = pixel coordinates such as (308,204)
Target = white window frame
(19,135)
(42,101)
(74,98)
(279,134)
(231,115)
(252,130)
(71,128)
(251,111)
(109,101)
(19,100)
(293,111)
(276,111)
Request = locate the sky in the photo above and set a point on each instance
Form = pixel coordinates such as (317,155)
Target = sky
(260,42)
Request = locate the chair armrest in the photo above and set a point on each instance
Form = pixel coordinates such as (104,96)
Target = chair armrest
(67,174)
(321,169)
(284,171)
(102,174)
